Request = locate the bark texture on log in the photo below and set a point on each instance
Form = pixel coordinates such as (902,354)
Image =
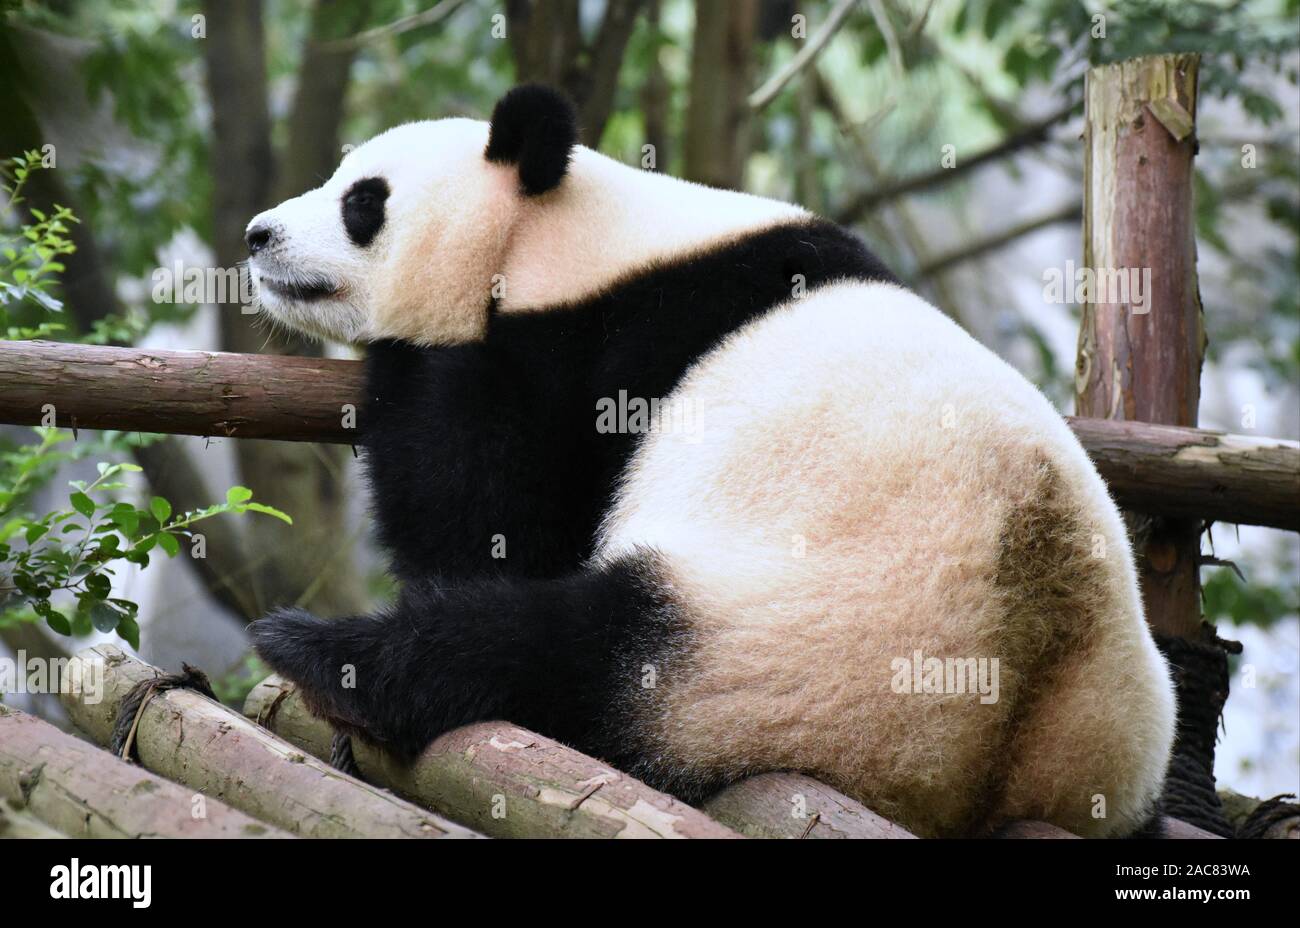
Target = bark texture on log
(179,392)
(1032,831)
(1196,473)
(188,738)
(15,823)
(78,790)
(1162,470)
(500,779)
(1141,360)
(1176,828)
(791,805)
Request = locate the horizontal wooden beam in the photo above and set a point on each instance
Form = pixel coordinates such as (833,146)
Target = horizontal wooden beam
(508,782)
(1162,470)
(498,778)
(1196,473)
(792,805)
(184,736)
(78,790)
(178,392)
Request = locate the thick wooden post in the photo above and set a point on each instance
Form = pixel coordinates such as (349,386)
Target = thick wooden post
(1140,352)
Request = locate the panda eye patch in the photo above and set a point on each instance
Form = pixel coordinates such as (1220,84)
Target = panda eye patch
(363,209)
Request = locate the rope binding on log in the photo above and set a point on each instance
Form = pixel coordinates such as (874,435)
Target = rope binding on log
(132,708)
(1200,671)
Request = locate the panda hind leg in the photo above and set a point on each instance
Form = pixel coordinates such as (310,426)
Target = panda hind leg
(560,656)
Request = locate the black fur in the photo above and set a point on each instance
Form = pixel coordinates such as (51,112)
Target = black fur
(363,209)
(470,445)
(544,654)
(536,128)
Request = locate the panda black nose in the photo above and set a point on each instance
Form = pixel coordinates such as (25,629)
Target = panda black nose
(257,238)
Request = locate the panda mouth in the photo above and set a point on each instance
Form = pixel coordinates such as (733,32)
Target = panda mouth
(303,290)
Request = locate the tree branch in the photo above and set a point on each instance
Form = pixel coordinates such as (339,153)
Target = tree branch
(1032,134)
(601,76)
(1067,213)
(435,14)
(184,736)
(765,94)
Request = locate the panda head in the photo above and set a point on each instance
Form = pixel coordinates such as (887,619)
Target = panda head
(405,240)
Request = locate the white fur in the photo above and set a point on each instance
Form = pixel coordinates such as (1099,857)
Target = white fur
(856,460)
(457,232)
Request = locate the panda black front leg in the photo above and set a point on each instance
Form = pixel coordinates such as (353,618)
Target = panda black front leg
(559,656)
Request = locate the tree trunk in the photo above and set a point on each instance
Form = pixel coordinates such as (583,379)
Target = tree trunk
(791,805)
(186,737)
(314,148)
(310,562)
(500,779)
(605,60)
(1145,365)
(546,42)
(656,97)
(77,789)
(722,74)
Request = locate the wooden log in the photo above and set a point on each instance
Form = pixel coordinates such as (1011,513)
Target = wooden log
(177,392)
(17,824)
(1162,470)
(1196,473)
(78,790)
(500,779)
(791,805)
(1141,359)
(1028,830)
(1176,828)
(184,736)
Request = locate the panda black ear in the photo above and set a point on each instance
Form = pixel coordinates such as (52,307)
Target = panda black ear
(536,128)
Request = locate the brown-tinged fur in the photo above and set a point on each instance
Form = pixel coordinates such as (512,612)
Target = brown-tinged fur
(887,486)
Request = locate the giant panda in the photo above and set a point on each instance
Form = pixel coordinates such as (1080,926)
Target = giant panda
(849,489)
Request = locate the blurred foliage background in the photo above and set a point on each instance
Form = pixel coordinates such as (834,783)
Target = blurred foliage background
(167,125)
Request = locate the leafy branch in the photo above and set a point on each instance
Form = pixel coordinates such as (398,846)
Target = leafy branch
(74,551)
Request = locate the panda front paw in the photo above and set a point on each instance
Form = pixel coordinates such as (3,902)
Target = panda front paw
(309,652)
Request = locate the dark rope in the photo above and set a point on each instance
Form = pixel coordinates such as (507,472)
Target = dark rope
(122,742)
(1200,670)
(1267,814)
(341,756)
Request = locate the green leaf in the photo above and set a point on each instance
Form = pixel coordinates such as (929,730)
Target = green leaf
(235,496)
(58,622)
(81,626)
(161,509)
(124,515)
(99,585)
(129,631)
(169,544)
(104,617)
(269,511)
(82,503)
